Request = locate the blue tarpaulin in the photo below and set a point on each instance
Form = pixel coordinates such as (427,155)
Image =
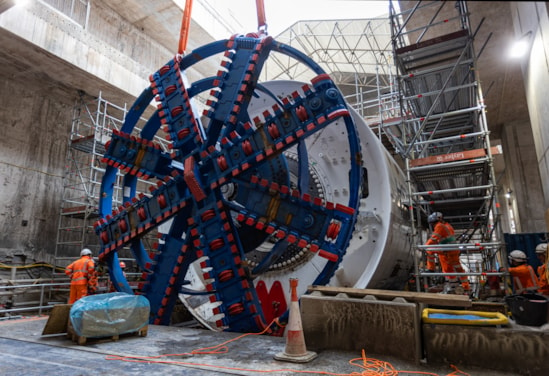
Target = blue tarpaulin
(110,314)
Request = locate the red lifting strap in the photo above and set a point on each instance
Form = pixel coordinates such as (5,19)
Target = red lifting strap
(261,21)
(185,26)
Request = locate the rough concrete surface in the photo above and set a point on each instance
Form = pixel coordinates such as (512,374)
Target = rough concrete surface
(26,352)
(383,327)
(35,132)
(520,349)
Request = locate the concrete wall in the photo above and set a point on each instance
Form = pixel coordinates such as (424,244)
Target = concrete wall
(35,127)
(522,177)
(531,19)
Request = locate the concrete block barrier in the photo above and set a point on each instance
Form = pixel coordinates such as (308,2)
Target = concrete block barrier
(377,326)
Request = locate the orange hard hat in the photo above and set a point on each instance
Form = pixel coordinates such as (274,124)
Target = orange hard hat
(122,264)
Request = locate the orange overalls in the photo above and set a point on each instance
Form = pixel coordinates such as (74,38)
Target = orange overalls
(443,233)
(83,278)
(524,278)
(542,279)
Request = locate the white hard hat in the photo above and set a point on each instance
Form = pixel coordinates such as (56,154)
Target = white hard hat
(517,255)
(541,248)
(435,216)
(85,251)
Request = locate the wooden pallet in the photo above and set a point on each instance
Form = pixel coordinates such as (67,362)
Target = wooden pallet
(411,296)
(82,340)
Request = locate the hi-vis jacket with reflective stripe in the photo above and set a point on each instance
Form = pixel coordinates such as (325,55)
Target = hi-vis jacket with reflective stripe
(443,233)
(82,272)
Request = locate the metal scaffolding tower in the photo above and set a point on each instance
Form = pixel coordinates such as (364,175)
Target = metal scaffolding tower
(442,133)
(93,122)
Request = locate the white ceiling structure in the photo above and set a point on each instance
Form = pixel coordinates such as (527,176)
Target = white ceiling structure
(352,51)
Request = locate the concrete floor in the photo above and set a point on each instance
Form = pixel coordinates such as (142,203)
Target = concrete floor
(26,352)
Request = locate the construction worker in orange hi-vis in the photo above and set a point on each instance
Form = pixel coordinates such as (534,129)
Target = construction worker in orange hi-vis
(543,270)
(83,276)
(443,233)
(522,274)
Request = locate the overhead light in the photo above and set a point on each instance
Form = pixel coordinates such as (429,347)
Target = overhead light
(508,194)
(520,47)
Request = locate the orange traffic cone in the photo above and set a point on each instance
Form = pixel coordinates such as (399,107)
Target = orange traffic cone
(295,350)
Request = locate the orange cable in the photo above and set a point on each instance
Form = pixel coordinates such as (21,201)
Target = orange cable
(277,322)
(461,373)
(370,366)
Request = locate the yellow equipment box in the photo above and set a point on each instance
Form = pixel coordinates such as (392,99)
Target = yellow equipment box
(455,317)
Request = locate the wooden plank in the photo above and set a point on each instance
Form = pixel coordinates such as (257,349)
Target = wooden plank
(83,139)
(447,300)
(57,320)
(458,156)
(75,209)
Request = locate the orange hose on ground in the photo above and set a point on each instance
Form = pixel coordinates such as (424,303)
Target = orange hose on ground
(185,26)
